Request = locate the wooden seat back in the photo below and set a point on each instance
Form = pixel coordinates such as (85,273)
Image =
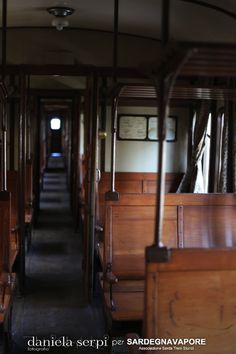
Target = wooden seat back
(202,220)
(129,228)
(194,298)
(190,220)
(139,182)
(134,183)
(12,187)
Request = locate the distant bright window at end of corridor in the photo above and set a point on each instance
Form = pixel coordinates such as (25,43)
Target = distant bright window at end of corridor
(55,123)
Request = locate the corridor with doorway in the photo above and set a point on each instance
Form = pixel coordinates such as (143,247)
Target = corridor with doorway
(54,303)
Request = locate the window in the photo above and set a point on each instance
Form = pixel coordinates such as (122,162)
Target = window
(55,124)
(219,148)
(206,156)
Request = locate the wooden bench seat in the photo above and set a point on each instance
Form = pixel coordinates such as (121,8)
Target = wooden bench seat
(129,305)
(127,301)
(7,297)
(7,255)
(190,220)
(12,185)
(194,298)
(129,227)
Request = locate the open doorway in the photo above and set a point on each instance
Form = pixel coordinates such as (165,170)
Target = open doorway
(55,125)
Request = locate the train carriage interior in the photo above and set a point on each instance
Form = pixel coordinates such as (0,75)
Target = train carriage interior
(118,176)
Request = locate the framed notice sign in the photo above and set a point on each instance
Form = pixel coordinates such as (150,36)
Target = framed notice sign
(171,128)
(145,127)
(132,127)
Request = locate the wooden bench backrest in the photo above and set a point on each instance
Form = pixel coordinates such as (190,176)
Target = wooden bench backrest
(129,228)
(203,220)
(194,298)
(134,183)
(5,230)
(12,187)
(190,220)
(138,182)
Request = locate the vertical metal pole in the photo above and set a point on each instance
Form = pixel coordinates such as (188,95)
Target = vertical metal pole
(112,194)
(28,142)
(163,113)
(12,128)
(4,37)
(37,151)
(4,107)
(92,189)
(4,145)
(21,167)
(103,123)
(4,167)
(113,145)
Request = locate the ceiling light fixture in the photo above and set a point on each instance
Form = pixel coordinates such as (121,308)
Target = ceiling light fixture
(60,14)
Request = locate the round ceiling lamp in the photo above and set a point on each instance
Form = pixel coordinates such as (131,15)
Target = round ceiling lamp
(60,14)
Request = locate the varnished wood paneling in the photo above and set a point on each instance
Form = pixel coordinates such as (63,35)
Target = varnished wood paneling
(193,296)
(5,231)
(209,226)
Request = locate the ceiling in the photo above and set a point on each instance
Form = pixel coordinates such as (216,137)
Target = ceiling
(189,19)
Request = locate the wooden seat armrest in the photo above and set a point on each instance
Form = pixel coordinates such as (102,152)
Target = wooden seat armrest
(110,278)
(99,228)
(15,229)
(2,300)
(6,282)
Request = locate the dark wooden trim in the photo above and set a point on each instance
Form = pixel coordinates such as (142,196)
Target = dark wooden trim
(36,152)
(231,156)
(21,169)
(4,38)
(211,6)
(5,195)
(56,94)
(72,70)
(213,148)
(12,118)
(115,40)
(165,22)
(104,104)
(132,35)
(190,148)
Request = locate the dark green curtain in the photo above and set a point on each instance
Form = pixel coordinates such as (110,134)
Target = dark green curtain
(227,180)
(189,183)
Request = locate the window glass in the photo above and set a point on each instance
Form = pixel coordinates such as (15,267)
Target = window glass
(55,124)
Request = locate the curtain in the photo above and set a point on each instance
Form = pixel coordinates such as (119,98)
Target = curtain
(227,180)
(192,181)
